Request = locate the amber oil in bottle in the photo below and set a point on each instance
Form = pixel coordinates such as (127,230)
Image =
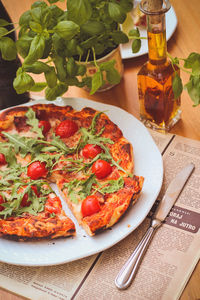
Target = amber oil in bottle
(158,108)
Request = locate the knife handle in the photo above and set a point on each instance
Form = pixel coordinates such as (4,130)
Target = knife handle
(130,268)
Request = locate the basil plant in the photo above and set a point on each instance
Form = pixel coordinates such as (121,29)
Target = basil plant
(54,42)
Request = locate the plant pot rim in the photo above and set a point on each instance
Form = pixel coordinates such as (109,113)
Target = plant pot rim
(102,59)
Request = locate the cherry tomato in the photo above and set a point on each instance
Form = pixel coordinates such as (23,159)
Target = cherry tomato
(101,168)
(46,126)
(2,159)
(53,205)
(1,201)
(66,128)
(90,206)
(37,170)
(25,201)
(91,151)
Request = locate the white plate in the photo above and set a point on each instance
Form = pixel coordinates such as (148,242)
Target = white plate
(171,23)
(148,163)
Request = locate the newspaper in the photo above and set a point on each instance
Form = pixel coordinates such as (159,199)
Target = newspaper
(166,267)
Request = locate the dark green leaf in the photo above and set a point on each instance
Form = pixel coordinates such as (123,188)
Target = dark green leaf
(37,68)
(36,49)
(71,67)
(93,28)
(3,31)
(136,45)
(193,89)
(134,32)
(79,11)
(51,77)
(119,37)
(25,18)
(3,22)
(97,82)
(116,12)
(8,48)
(58,90)
(67,29)
(23,45)
(38,87)
(35,26)
(177,86)
(23,83)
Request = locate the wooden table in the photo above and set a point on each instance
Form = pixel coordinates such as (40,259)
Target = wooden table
(185,40)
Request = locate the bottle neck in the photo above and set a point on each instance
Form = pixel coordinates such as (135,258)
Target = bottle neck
(157,44)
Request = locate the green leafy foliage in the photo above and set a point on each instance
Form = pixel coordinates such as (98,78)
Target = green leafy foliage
(54,42)
(177,86)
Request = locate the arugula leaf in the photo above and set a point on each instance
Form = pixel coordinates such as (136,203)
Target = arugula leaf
(112,186)
(34,123)
(21,144)
(80,189)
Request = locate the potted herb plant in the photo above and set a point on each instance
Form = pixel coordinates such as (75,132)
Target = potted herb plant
(59,42)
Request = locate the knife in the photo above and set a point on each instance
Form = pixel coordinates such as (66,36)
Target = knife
(130,268)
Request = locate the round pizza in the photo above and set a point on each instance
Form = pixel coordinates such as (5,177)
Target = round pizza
(83,152)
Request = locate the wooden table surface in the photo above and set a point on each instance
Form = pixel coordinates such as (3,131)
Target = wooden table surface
(185,40)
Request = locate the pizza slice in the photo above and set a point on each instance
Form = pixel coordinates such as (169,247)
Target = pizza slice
(98,204)
(31,210)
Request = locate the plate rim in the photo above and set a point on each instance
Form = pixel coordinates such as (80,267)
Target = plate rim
(93,104)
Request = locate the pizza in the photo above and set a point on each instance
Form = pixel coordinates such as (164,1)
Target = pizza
(83,152)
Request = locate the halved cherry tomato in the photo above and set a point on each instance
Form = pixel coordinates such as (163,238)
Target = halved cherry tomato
(37,170)
(46,126)
(25,201)
(66,128)
(101,168)
(91,151)
(1,201)
(90,206)
(2,159)
(53,205)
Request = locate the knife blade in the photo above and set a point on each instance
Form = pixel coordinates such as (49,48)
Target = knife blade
(130,268)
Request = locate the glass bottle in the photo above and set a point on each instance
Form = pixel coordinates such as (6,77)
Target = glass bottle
(8,69)
(158,108)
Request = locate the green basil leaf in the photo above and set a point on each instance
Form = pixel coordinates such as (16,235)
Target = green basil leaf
(23,45)
(39,4)
(3,31)
(177,86)
(36,49)
(93,28)
(51,77)
(116,12)
(79,11)
(8,48)
(4,22)
(58,90)
(67,29)
(38,87)
(97,82)
(23,83)
(37,67)
(119,37)
(71,67)
(60,67)
(36,27)
(136,45)
(25,18)
(134,32)
(193,89)
(126,5)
